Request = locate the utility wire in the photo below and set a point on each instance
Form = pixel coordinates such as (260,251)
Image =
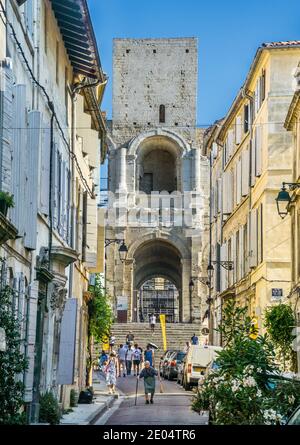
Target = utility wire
(49,102)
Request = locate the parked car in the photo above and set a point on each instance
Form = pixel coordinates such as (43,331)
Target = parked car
(197,360)
(171,368)
(180,369)
(211,366)
(295,417)
(164,361)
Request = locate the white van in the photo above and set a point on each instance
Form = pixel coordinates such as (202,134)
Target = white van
(196,362)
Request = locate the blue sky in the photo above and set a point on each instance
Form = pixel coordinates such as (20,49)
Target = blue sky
(229,33)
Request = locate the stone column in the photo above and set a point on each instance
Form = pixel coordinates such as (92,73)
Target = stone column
(122,170)
(185,291)
(197,170)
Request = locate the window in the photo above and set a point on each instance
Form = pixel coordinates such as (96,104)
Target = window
(245,251)
(260,234)
(237,263)
(162,114)
(246,118)
(84,225)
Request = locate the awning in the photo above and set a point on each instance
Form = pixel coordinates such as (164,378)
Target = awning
(75,25)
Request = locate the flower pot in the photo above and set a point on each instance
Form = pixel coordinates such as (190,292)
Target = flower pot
(3,207)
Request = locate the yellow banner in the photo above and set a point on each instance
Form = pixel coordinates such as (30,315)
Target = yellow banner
(105,344)
(162,318)
(254,328)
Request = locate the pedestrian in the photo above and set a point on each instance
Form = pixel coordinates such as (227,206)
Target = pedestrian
(137,357)
(103,358)
(129,338)
(110,370)
(148,374)
(112,341)
(152,322)
(187,347)
(149,355)
(129,359)
(122,360)
(195,340)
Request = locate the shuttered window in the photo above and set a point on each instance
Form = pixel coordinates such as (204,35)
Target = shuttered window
(245,172)
(253,159)
(258,150)
(253,239)
(246,118)
(260,234)
(84,225)
(238,130)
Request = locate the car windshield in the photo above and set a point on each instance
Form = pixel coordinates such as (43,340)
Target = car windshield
(295,419)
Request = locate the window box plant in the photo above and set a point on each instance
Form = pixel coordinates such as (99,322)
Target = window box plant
(6,201)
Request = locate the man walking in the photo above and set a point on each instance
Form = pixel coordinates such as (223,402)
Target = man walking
(148,374)
(152,322)
(129,338)
(195,340)
(129,358)
(122,360)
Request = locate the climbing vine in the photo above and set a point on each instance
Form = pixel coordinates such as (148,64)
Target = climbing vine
(12,363)
(279,322)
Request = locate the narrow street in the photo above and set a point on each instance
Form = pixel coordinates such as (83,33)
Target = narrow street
(172,407)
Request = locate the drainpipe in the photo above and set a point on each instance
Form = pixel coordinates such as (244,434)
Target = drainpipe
(251,100)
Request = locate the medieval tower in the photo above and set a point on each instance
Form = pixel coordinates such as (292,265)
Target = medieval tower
(158,182)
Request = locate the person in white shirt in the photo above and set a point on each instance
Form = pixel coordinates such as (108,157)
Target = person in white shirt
(152,322)
(129,359)
(137,358)
(122,360)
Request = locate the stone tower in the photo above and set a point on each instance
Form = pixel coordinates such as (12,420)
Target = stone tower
(158,181)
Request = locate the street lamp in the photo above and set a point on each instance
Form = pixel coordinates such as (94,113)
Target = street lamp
(228,265)
(123,249)
(283,199)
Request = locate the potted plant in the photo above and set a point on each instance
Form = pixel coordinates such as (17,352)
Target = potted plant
(6,201)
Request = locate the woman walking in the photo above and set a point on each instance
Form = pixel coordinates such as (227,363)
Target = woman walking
(149,355)
(148,374)
(111,373)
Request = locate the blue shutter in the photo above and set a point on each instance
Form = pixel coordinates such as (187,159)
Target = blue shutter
(45,169)
(67,344)
(31,191)
(6,99)
(19,156)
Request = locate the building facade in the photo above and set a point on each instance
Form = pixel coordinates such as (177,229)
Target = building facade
(251,155)
(52,142)
(157,178)
(292,124)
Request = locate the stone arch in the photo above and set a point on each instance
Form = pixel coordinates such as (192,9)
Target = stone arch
(136,143)
(174,240)
(158,258)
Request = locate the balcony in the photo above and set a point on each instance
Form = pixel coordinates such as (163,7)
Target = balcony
(7,230)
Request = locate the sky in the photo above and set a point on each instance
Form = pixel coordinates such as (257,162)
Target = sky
(228,31)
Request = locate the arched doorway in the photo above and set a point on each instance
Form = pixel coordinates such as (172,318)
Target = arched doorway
(159,165)
(158,280)
(158,296)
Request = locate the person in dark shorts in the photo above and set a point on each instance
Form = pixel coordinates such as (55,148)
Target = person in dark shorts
(137,358)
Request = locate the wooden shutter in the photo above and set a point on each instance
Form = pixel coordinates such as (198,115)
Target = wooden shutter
(19,157)
(238,130)
(230,193)
(6,140)
(224,274)
(225,192)
(45,169)
(31,192)
(84,225)
(233,257)
(245,172)
(241,253)
(219,182)
(258,150)
(239,181)
(253,238)
(253,159)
